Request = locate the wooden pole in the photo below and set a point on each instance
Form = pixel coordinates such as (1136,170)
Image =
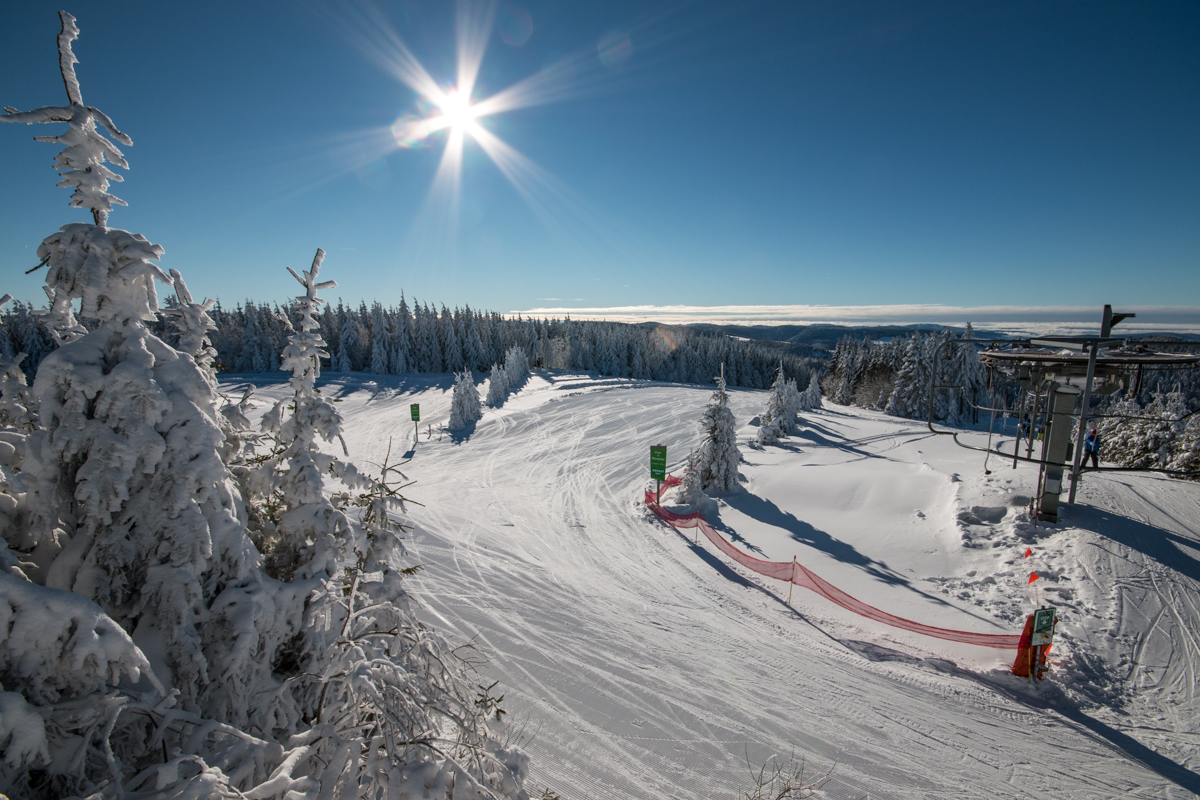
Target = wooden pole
(792,582)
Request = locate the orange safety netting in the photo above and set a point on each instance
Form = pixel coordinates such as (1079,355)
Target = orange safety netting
(795,573)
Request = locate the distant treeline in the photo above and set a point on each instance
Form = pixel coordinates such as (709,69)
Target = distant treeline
(405,339)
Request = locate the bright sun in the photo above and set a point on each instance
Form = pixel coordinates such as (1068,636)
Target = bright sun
(457,110)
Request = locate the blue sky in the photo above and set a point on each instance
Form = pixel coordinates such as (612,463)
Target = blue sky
(702,154)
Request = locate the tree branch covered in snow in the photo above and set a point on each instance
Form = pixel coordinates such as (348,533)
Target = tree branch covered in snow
(81,163)
(148,647)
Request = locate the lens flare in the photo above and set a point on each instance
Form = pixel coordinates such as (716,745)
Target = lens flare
(516,26)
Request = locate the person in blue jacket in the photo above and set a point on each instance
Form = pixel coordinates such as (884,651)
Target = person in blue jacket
(1091,448)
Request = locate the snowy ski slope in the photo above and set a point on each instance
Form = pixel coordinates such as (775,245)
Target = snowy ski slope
(636,664)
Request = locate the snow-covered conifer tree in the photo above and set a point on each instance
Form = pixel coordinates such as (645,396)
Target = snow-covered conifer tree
(193,323)
(810,398)
(379,341)
(130,504)
(452,355)
(349,354)
(691,490)
(29,336)
(779,417)
(401,358)
(148,653)
(473,353)
(717,457)
(464,405)
(910,397)
(497,386)
(1143,436)
(16,399)
(378,681)
(967,371)
(1186,457)
(516,366)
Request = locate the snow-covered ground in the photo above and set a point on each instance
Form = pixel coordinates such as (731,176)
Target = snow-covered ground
(636,664)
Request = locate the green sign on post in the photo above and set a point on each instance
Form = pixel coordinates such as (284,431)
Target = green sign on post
(1043,627)
(658,468)
(658,462)
(415,408)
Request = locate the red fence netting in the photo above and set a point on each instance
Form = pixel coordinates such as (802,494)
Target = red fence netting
(793,572)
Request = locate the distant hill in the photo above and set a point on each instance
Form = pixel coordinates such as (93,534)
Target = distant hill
(810,340)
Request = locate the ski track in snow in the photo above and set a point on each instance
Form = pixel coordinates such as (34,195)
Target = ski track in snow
(638,665)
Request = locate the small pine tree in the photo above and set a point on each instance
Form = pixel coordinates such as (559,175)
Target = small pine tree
(193,323)
(691,491)
(779,417)
(497,387)
(464,405)
(810,398)
(718,457)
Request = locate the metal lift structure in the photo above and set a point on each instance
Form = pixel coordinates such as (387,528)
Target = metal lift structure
(1063,373)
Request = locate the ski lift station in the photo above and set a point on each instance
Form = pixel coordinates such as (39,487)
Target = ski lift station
(1062,374)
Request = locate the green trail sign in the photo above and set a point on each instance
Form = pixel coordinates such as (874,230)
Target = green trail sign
(415,408)
(658,462)
(1043,627)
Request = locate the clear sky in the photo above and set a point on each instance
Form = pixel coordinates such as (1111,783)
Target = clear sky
(702,154)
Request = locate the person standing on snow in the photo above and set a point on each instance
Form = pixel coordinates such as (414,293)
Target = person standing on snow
(1091,448)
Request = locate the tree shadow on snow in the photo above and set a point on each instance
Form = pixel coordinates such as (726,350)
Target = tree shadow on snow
(460,435)
(1051,698)
(800,531)
(826,437)
(1169,549)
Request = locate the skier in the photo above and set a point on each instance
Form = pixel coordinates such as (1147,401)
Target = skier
(1091,448)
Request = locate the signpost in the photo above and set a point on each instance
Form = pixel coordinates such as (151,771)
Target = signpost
(415,408)
(658,466)
(1040,639)
(1043,627)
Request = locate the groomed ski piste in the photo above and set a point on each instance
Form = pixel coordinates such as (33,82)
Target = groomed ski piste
(635,663)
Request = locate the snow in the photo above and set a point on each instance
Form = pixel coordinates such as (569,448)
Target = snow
(637,665)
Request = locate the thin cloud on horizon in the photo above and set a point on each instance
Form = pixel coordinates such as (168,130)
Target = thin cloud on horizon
(1008,318)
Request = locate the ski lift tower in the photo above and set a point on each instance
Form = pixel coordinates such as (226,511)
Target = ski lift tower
(1066,367)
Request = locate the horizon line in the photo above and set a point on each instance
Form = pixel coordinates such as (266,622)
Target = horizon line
(1035,320)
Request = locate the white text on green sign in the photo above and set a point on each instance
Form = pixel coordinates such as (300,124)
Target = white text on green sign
(658,462)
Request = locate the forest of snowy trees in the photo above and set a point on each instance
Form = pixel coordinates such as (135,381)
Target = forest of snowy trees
(894,376)
(405,339)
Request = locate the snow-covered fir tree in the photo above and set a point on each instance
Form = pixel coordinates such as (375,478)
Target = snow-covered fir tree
(1186,455)
(810,398)
(966,371)
(145,651)
(910,396)
(1133,435)
(691,489)
(717,458)
(778,420)
(497,386)
(130,505)
(380,344)
(516,367)
(464,405)
(452,356)
(193,323)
